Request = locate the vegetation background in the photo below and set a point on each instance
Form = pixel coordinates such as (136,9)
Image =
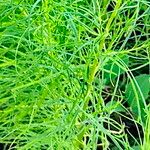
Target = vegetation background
(74,74)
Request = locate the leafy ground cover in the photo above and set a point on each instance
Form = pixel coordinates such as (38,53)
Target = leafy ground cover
(74,74)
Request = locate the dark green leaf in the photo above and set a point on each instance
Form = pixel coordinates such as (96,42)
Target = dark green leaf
(137,93)
(112,69)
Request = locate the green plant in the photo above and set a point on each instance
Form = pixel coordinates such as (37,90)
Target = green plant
(67,68)
(137,93)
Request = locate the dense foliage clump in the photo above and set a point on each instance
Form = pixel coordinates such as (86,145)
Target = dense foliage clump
(74,74)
